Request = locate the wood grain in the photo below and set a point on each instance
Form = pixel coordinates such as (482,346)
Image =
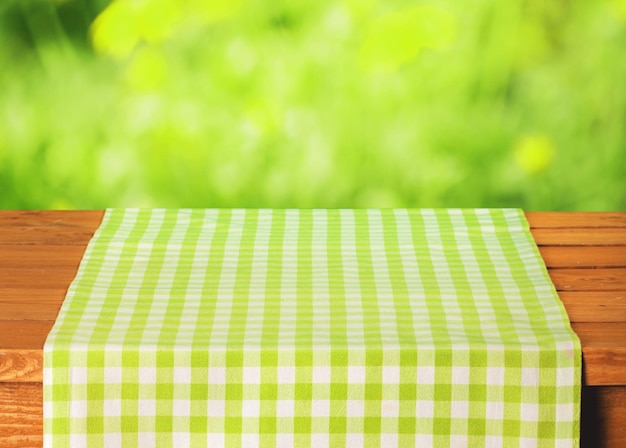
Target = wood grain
(30,304)
(24,334)
(595,306)
(67,228)
(580,237)
(604,354)
(51,277)
(21,415)
(40,256)
(588,220)
(610,279)
(21,366)
(584,256)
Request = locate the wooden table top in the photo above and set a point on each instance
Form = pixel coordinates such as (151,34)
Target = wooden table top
(585,254)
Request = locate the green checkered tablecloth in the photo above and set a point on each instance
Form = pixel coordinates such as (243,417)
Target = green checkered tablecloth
(298,328)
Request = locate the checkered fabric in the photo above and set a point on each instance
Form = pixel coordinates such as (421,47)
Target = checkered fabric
(312,328)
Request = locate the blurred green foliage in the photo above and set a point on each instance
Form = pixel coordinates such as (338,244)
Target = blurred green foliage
(313,103)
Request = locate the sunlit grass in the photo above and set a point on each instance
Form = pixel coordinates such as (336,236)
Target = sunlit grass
(314,104)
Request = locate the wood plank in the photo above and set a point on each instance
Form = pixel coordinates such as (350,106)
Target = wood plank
(63,218)
(576,219)
(595,306)
(21,366)
(604,352)
(21,415)
(31,304)
(580,237)
(608,335)
(48,227)
(29,256)
(50,277)
(24,334)
(584,256)
(45,235)
(610,279)
(604,367)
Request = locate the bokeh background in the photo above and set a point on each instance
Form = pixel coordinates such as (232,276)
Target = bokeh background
(313,103)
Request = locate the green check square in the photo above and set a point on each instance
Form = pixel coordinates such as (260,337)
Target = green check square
(548,359)
(374,358)
(234,358)
(163,423)
(511,428)
(199,391)
(60,358)
(129,423)
(232,425)
(478,358)
(443,392)
(95,392)
(408,358)
(198,424)
(267,425)
(95,425)
(512,394)
(371,425)
(373,391)
(443,358)
(478,392)
(269,391)
(512,359)
(61,425)
(441,426)
(269,358)
(130,359)
(234,391)
(165,392)
(337,425)
(547,429)
(408,392)
(302,425)
(338,391)
(406,425)
(165,359)
(339,358)
(304,358)
(130,391)
(199,358)
(476,426)
(95,359)
(303,391)
(60,392)
(547,394)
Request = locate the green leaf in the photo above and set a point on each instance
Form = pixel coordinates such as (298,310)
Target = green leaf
(214,10)
(148,69)
(158,19)
(116,30)
(397,38)
(534,153)
(125,23)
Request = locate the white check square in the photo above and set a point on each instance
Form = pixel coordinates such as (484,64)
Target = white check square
(320,408)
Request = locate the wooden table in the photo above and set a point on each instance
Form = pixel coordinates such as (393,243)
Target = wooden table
(585,254)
